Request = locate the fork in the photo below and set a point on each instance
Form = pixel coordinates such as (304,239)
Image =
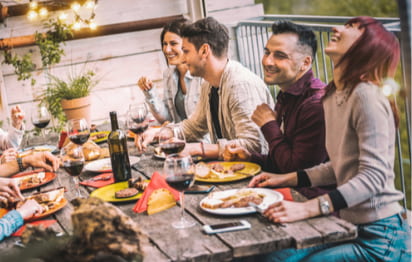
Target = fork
(261,209)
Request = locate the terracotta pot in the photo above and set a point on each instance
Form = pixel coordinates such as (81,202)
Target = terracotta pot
(77,108)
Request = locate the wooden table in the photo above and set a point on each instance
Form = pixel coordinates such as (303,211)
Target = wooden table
(169,244)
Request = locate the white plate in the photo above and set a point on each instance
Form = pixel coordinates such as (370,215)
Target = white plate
(39,148)
(104,165)
(271,196)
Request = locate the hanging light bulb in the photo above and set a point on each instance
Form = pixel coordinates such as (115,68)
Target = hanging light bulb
(92,25)
(390,87)
(75,6)
(31,15)
(77,25)
(89,4)
(43,12)
(62,16)
(33,4)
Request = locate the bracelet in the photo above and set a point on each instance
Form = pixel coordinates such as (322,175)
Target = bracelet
(203,149)
(20,163)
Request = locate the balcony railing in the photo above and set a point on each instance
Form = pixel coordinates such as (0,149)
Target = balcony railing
(252,35)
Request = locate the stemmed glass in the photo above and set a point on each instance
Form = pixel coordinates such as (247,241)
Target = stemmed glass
(78,131)
(171,139)
(136,118)
(72,158)
(40,118)
(178,171)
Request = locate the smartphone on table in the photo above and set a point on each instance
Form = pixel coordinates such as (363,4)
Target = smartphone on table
(226,227)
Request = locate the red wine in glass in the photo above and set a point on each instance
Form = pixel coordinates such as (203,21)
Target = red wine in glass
(74,168)
(180,182)
(173,147)
(41,123)
(79,139)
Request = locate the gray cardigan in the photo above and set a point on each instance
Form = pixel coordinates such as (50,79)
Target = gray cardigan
(240,92)
(360,140)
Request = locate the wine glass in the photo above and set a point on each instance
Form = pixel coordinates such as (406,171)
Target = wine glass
(171,139)
(78,131)
(178,171)
(136,118)
(40,118)
(72,159)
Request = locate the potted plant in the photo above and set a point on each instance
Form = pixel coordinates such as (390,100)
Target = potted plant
(70,98)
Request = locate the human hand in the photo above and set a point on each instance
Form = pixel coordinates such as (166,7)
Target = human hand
(141,141)
(263,114)
(43,160)
(30,208)
(145,84)
(9,188)
(8,155)
(234,152)
(273,180)
(17,116)
(288,211)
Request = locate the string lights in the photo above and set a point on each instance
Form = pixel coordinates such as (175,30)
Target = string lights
(83,14)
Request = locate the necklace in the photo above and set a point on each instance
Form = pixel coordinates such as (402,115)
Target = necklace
(341,96)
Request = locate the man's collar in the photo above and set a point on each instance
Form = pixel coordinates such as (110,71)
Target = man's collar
(299,86)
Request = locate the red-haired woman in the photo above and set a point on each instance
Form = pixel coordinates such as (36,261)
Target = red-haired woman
(360,140)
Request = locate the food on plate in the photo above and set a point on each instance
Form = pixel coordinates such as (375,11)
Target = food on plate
(241,198)
(202,170)
(47,199)
(138,183)
(98,135)
(125,193)
(41,148)
(159,153)
(160,199)
(31,180)
(91,151)
(237,167)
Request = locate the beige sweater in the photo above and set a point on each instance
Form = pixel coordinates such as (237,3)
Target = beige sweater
(240,92)
(360,140)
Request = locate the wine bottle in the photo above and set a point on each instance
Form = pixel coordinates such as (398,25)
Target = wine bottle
(118,151)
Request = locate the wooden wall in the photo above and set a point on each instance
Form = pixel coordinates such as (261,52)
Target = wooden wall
(118,59)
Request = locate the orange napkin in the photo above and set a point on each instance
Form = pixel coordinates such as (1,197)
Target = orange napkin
(99,183)
(156,182)
(44,223)
(285,191)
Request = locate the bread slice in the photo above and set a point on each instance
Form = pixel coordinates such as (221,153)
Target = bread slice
(160,199)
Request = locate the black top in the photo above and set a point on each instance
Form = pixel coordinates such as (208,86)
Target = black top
(214,110)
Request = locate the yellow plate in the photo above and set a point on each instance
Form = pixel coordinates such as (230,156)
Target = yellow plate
(102,139)
(250,169)
(106,193)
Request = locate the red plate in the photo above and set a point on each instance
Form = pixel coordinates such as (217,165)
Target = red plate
(59,206)
(49,176)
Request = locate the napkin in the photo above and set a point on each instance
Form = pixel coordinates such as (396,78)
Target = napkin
(285,191)
(99,183)
(44,223)
(156,182)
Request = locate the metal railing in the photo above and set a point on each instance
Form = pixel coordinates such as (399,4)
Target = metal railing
(252,35)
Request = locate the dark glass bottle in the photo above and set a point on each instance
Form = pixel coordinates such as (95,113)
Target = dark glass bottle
(118,151)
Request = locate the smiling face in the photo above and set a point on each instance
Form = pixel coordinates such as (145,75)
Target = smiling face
(172,48)
(283,62)
(342,39)
(193,58)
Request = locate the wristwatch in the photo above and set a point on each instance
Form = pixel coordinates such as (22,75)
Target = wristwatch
(324,206)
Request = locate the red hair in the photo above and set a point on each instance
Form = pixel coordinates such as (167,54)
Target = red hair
(373,57)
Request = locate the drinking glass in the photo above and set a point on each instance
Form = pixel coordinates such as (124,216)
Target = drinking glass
(171,139)
(78,131)
(72,159)
(136,118)
(40,118)
(178,171)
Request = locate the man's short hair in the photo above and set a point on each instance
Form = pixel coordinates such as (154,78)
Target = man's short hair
(306,37)
(208,31)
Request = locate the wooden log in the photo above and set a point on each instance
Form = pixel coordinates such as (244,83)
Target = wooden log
(118,28)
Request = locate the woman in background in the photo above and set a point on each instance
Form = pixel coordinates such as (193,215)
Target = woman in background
(181,90)
(360,140)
